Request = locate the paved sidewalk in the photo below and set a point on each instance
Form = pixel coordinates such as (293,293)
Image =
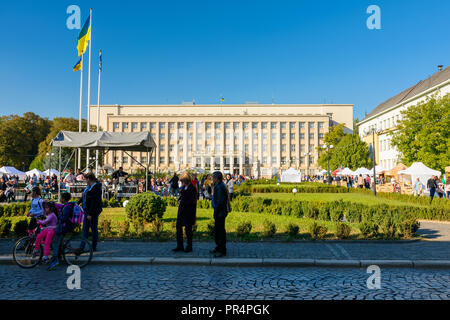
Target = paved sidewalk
(435,230)
(318,253)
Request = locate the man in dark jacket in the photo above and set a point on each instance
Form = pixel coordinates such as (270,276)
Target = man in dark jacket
(432,185)
(173,183)
(220,204)
(92,206)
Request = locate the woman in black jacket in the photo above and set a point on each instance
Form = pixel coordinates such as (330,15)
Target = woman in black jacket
(186,213)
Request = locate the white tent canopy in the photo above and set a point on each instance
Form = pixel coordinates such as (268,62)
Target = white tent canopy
(346,171)
(378,170)
(50,172)
(11,171)
(322,172)
(125,141)
(291,175)
(34,171)
(421,171)
(362,171)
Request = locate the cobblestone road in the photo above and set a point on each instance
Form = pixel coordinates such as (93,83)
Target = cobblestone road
(191,282)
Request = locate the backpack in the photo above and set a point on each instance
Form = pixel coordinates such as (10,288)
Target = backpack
(77,214)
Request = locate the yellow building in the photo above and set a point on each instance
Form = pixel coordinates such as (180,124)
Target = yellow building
(249,139)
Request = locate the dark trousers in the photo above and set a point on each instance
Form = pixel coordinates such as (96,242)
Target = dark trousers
(432,192)
(188,229)
(93,225)
(33,224)
(221,235)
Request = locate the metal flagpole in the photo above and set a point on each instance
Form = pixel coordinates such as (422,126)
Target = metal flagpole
(98,109)
(89,86)
(78,164)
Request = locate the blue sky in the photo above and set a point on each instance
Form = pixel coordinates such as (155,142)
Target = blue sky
(158,52)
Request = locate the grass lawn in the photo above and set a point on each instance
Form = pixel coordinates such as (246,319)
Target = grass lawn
(352,197)
(233,219)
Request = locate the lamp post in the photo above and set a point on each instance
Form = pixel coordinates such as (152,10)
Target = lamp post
(51,154)
(373,131)
(328,147)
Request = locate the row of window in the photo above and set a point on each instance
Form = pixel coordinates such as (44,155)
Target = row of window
(264,159)
(218,148)
(217,125)
(386,123)
(218,136)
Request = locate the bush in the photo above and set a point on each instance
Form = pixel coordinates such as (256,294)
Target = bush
(157,227)
(145,207)
(20,228)
(243,229)
(368,229)
(343,230)
(210,228)
(171,201)
(5,227)
(292,229)
(124,229)
(173,228)
(269,229)
(105,228)
(105,203)
(317,232)
(409,227)
(388,227)
(138,228)
(113,203)
(1,211)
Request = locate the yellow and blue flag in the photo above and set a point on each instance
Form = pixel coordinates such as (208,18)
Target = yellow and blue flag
(78,65)
(222,99)
(84,37)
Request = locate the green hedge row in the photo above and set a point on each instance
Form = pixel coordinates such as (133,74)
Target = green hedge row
(14,209)
(287,188)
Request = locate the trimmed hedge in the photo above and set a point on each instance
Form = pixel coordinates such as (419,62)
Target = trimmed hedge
(146,207)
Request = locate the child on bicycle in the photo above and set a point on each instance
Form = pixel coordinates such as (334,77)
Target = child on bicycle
(64,226)
(48,231)
(36,210)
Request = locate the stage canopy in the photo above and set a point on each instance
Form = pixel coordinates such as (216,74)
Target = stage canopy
(125,141)
(291,175)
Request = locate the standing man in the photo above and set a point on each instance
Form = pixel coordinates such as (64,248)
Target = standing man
(92,205)
(431,184)
(220,204)
(230,186)
(173,185)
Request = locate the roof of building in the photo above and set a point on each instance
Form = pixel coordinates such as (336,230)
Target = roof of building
(421,86)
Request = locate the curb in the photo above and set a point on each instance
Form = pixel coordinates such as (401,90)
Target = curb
(260,262)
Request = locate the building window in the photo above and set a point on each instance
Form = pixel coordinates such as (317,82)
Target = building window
(246,148)
(162,136)
(245,135)
(171,136)
(143,125)
(292,125)
(311,125)
(134,125)
(152,125)
(320,125)
(162,125)
(274,159)
(302,136)
(235,125)
(143,159)
(115,125)
(171,159)
(255,135)
(292,136)
(217,125)
(311,160)
(162,159)
(264,125)
(264,160)
(180,125)
(226,125)
(264,147)
(273,136)
(273,125)
(161,148)
(283,160)
(189,125)
(208,136)
(125,160)
(254,125)
(302,125)
(292,147)
(302,148)
(208,125)
(283,136)
(227,135)
(171,125)
(283,125)
(311,135)
(124,125)
(320,135)
(153,135)
(283,147)
(264,135)
(171,148)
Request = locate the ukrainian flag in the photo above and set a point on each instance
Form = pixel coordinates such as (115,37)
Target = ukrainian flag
(222,99)
(84,37)
(78,65)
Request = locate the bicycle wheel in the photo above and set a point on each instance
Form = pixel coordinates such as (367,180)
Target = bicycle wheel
(72,253)
(23,253)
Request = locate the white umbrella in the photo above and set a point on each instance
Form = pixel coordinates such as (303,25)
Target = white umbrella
(11,171)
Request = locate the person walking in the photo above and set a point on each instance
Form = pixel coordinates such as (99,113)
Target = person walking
(431,185)
(187,207)
(220,203)
(447,187)
(173,185)
(92,206)
(360,181)
(418,188)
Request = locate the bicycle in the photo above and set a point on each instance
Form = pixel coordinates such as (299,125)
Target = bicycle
(24,256)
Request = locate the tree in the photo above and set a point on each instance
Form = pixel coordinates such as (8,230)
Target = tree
(424,133)
(20,137)
(332,137)
(351,152)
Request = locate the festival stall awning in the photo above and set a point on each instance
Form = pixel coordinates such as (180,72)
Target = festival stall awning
(50,172)
(125,141)
(347,172)
(34,171)
(291,175)
(421,171)
(362,171)
(11,171)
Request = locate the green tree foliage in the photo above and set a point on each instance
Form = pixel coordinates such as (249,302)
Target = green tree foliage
(20,137)
(351,152)
(424,133)
(332,137)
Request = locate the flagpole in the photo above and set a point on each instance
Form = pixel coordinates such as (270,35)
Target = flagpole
(89,86)
(81,105)
(98,112)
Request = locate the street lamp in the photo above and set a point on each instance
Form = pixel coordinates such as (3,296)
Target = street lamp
(373,131)
(51,154)
(328,147)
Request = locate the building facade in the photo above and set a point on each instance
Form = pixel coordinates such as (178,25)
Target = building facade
(249,139)
(384,118)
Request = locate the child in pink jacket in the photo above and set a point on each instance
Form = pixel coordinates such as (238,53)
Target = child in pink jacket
(48,230)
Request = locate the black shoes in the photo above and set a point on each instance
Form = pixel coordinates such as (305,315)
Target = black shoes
(219,255)
(178,249)
(188,249)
